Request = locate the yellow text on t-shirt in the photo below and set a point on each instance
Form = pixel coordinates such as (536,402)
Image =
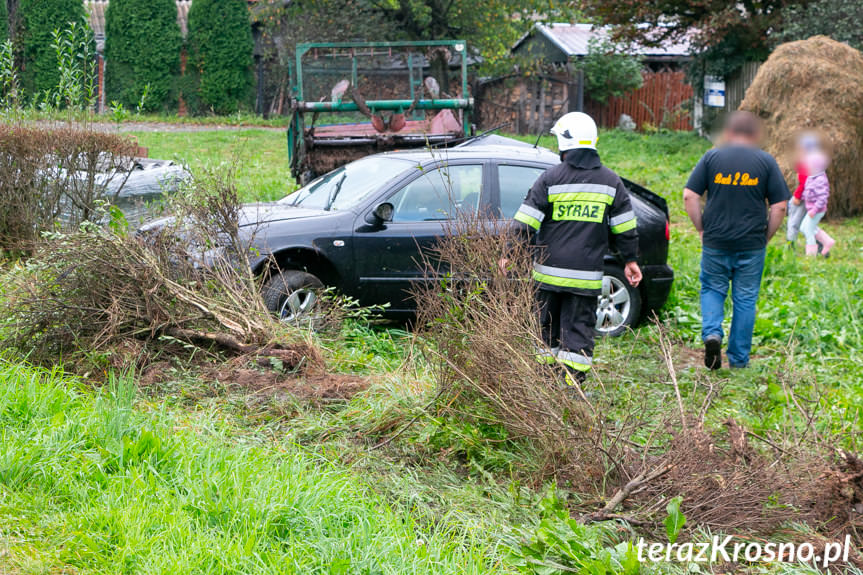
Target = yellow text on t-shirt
(737,179)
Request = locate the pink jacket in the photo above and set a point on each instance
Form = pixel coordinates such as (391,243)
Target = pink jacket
(816,190)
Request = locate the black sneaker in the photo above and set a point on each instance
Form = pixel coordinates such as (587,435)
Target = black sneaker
(713,352)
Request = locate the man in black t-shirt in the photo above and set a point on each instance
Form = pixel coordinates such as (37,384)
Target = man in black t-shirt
(745,205)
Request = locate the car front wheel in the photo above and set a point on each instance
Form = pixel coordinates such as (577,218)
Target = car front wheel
(618,305)
(293,295)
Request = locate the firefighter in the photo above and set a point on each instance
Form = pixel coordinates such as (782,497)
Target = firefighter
(573,213)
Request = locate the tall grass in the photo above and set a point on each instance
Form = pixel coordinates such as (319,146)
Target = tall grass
(91,484)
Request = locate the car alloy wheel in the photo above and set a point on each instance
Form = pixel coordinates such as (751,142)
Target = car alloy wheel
(613,307)
(298,305)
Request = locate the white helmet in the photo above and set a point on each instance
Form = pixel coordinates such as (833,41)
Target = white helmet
(575,130)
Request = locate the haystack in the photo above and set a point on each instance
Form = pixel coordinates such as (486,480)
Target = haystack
(815,84)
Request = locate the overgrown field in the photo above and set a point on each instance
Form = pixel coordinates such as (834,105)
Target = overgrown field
(190,468)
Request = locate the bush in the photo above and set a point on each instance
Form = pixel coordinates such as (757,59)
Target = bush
(8,78)
(142,52)
(39,20)
(76,89)
(4,21)
(221,50)
(55,178)
(482,335)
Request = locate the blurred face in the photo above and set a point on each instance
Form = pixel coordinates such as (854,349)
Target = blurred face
(742,128)
(745,139)
(806,144)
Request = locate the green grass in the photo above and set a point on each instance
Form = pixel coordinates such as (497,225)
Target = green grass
(259,155)
(89,483)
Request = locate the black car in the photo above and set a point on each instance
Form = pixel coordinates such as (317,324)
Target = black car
(361,227)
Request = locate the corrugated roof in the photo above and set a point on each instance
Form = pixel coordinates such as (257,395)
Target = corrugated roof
(574,40)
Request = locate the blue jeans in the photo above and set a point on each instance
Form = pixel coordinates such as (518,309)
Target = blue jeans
(743,270)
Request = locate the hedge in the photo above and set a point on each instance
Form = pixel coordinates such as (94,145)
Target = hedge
(221,52)
(4,21)
(39,19)
(142,51)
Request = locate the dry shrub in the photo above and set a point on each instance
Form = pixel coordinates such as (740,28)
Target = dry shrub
(836,496)
(482,336)
(56,176)
(481,331)
(815,84)
(728,484)
(96,290)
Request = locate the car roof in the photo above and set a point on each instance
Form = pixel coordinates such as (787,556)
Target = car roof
(483,148)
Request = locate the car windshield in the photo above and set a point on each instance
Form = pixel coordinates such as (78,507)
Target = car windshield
(347,186)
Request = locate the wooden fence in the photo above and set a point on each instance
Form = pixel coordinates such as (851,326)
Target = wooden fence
(664,100)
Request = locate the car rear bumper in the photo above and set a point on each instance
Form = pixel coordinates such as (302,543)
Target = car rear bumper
(656,286)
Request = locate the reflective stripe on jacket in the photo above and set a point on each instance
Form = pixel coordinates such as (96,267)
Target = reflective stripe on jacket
(573,213)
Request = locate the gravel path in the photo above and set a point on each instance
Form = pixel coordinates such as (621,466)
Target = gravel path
(167,127)
(170,127)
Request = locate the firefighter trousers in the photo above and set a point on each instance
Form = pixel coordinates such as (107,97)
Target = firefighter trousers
(568,323)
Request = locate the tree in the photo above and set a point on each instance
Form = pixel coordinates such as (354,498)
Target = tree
(726,33)
(286,24)
(39,19)
(490,27)
(839,19)
(221,49)
(142,53)
(289,24)
(609,72)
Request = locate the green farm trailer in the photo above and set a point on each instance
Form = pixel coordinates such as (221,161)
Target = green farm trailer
(352,99)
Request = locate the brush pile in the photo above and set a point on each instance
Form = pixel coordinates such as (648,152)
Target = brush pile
(480,323)
(103,292)
(815,84)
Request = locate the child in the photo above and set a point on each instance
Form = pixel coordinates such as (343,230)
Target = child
(807,144)
(816,192)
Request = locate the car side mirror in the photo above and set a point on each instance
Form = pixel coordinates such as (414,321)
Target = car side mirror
(382,213)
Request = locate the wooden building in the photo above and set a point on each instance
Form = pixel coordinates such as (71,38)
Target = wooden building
(531,103)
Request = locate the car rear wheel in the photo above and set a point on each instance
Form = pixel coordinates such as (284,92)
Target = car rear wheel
(293,295)
(618,305)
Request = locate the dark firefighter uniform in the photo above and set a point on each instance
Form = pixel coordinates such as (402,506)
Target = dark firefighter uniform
(573,213)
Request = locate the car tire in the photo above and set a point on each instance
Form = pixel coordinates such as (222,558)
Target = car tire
(293,295)
(618,305)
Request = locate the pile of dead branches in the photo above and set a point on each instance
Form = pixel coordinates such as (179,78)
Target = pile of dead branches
(482,333)
(95,290)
